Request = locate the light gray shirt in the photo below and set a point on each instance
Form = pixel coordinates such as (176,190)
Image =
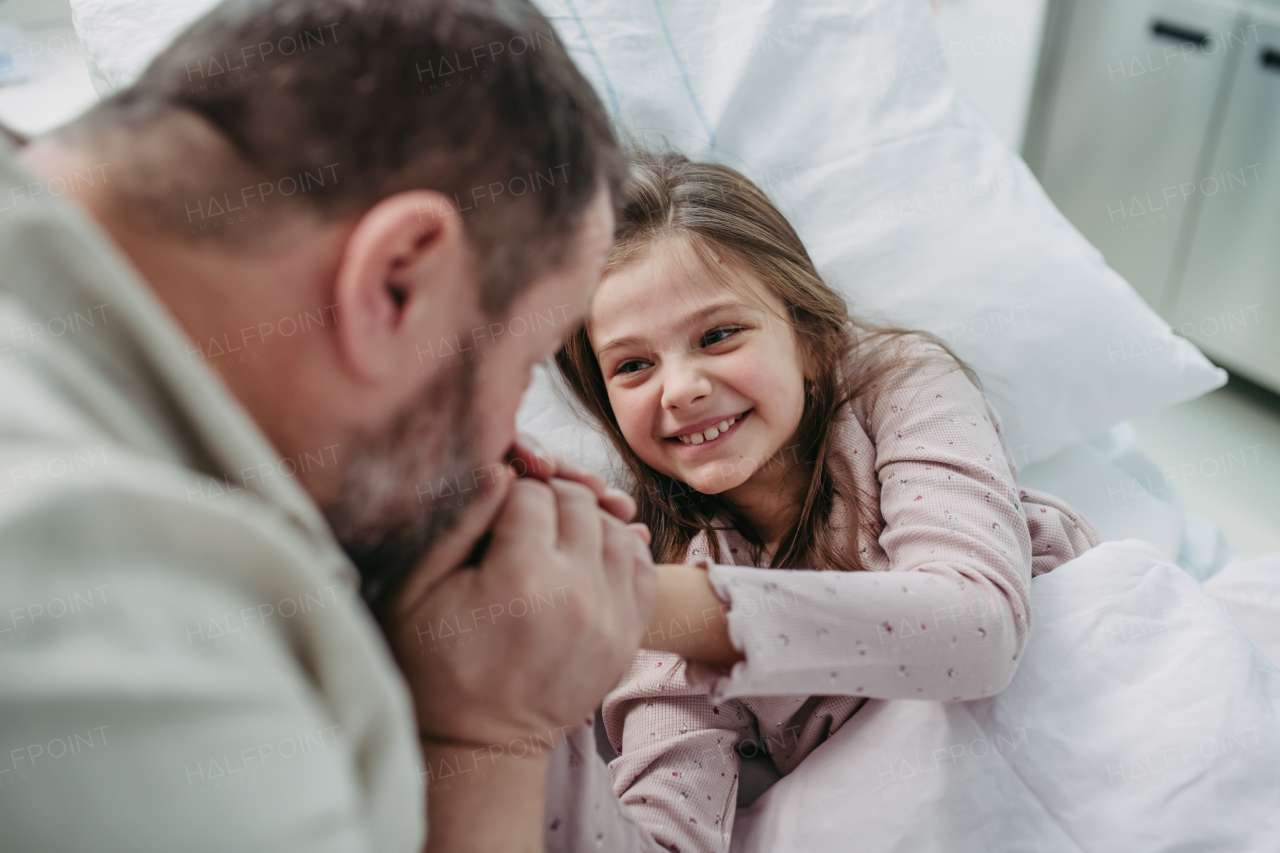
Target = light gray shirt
(185,662)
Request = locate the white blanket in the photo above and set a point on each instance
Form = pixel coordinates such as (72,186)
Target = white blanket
(1141,719)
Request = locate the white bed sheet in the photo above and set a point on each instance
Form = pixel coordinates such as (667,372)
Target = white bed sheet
(1141,718)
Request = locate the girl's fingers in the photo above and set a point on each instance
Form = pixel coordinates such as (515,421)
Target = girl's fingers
(530,458)
(572,469)
(618,503)
(535,460)
(642,530)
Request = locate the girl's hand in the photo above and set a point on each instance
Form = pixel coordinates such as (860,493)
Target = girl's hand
(529,458)
(585,585)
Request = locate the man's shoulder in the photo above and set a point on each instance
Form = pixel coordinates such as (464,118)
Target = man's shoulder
(86,521)
(114,549)
(86,481)
(209,648)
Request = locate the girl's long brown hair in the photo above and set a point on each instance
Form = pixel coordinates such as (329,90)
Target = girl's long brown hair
(715,209)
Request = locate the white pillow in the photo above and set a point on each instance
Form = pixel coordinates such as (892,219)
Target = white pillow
(844,112)
(120,38)
(1141,718)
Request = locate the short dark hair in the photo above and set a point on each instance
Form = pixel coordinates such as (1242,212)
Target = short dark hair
(346,102)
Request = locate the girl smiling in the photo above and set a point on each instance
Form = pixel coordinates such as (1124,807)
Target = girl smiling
(773,438)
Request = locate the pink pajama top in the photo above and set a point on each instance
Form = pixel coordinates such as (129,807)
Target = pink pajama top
(942,614)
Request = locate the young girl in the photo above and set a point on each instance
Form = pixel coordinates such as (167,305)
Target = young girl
(765,430)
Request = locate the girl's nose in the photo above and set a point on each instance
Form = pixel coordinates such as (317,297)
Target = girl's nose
(683,384)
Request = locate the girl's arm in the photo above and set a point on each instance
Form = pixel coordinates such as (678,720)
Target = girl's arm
(688,617)
(948,614)
(677,771)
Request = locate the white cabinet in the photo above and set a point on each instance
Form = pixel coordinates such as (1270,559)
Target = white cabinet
(1155,128)
(1227,296)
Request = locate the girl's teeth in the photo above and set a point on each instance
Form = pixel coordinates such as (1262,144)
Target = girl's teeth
(708,434)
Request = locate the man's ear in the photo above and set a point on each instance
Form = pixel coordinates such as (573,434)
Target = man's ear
(406,275)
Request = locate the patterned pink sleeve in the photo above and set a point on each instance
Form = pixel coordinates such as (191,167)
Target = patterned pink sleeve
(946,613)
(677,771)
(582,812)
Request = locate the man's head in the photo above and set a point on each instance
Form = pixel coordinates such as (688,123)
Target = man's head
(435,176)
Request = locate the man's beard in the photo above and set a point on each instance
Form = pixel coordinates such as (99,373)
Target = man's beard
(386,514)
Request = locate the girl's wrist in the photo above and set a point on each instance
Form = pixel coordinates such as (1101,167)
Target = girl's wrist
(689,619)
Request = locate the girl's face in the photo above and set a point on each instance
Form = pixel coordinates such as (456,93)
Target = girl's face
(707,387)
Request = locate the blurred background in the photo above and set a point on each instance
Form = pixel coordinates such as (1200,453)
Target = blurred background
(1154,125)
(43,78)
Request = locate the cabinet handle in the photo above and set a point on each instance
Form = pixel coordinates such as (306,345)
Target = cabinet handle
(1173,31)
(1271,59)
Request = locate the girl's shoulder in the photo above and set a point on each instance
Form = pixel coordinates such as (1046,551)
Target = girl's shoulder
(888,373)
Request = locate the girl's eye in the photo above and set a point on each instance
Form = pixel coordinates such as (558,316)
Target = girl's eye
(715,336)
(629,366)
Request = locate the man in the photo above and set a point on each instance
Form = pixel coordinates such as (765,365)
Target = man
(259,310)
